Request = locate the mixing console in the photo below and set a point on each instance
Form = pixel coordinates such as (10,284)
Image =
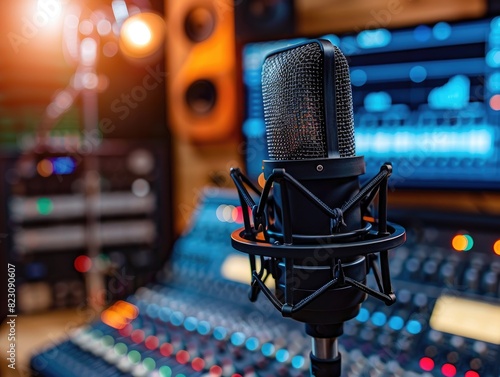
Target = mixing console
(197,321)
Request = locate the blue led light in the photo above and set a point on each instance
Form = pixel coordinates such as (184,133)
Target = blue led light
(374,38)
(495,24)
(378,101)
(63,165)
(358,77)
(298,361)
(379,319)
(422,33)
(220,333)
(452,95)
(267,349)
(252,344)
(152,310)
(238,338)
(418,74)
(413,327)
(164,314)
(363,315)
(203,328)
(190,324)
(494,82)
(441,31)
(282,355)
(176,318)
(396,323)
(493,58)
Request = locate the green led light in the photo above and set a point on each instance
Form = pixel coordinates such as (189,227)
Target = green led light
(165,371)
(44,206)
(97,334)
(120,349)
(134,357)
(181,375)
(149,363)
(470,242)
(107,341)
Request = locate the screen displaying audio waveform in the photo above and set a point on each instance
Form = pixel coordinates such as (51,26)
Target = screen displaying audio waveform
(425,98)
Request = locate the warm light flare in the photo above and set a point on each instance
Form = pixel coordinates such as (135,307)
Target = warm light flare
(137,31)
(142,36)
(120,314)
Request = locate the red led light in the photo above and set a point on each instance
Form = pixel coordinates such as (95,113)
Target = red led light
(495,102)
(236,375)
(182,357)
(137,336)
(239,215)
(427,364)
(449,370)
(166,349)
(152,342)
(198,364)
(215,371)
(127,330)
(471,373)
(82,263)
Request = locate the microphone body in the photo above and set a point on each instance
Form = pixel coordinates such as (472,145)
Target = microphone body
(309,227)
(310,133)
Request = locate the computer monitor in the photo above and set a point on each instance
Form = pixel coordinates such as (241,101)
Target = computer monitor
(426,98)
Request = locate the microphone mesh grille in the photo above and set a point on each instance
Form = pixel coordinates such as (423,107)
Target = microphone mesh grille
(293,97)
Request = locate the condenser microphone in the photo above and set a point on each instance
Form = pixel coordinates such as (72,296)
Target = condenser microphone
(312,227)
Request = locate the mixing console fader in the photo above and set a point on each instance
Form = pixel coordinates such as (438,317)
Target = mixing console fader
(197,320)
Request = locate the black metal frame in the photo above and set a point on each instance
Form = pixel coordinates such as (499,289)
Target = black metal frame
(376,237)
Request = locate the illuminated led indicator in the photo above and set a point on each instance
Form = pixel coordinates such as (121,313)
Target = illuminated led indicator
(462,242)
(471,373)
(198,364)
(120,349)
(495,102)
(215,371)
(237,339)
(152,342)
(165,371)
(363,315)
(82,263)
(149,363)
(63,165)
(137,32)
(449,370)
(282,355)
(396,323)
(203,328)
(441,31)
(496,247)
(261,180)
(413,327)
(166,349)
(220,333)
(267,349)
(252,344)
(137,336)
(426,363)
(237,215)
(298,361)
(45,168)
(182,357)
(379,319)
(44,206)
(190,323)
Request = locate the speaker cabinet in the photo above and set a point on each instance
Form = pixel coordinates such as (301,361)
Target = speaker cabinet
(201,59)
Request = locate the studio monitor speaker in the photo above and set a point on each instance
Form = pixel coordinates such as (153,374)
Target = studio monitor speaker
(201,72)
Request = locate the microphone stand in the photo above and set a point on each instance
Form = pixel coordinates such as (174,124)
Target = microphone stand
(359,254)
